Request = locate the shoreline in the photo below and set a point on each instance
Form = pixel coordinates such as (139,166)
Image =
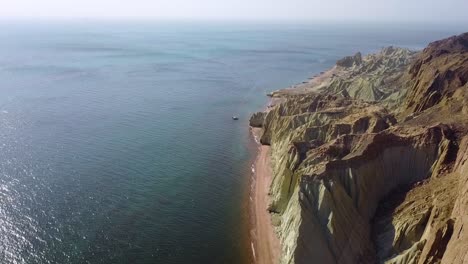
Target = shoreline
(264,242)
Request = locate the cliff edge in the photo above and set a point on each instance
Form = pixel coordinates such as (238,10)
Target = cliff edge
(369,163)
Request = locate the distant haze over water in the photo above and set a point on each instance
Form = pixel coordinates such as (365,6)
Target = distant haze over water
(116,139)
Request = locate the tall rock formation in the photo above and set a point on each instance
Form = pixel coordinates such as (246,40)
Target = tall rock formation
(370,166)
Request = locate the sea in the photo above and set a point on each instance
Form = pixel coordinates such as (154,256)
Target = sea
(117,143)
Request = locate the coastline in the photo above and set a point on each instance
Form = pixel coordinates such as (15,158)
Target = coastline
(265,244)
(365,160)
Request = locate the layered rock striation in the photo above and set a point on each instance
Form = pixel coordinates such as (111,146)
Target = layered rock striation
(374,77)
(370,165)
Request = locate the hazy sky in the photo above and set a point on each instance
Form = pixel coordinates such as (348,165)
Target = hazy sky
(388,10)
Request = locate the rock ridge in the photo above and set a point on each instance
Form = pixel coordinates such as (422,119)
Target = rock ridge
(365,163)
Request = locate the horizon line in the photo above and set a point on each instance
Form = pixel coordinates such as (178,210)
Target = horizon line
(227,20)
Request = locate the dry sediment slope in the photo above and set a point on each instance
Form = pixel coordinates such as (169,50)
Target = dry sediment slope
(369,165)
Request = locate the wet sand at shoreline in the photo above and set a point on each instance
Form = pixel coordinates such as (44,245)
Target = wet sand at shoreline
(265,244)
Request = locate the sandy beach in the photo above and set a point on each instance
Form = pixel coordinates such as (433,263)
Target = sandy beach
(265,244)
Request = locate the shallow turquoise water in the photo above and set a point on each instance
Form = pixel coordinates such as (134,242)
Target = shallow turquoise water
(116,139)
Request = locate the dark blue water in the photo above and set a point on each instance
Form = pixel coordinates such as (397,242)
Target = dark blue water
(116,139)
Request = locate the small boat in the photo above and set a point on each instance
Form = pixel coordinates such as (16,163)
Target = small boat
(235,118)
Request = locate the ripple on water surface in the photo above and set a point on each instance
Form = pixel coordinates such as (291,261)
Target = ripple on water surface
(116,141)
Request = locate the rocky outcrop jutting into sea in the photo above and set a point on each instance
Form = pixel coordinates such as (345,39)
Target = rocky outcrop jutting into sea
(370,163)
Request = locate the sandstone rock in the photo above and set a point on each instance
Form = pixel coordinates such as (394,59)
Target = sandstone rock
(256,120)
(438,72)
(456,251)
(372,168)
(350,61)
(375,77)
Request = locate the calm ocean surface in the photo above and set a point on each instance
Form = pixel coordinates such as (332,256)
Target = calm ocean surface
(116,139)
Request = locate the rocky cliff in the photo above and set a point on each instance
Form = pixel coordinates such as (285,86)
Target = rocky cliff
(375,77)
(370,164)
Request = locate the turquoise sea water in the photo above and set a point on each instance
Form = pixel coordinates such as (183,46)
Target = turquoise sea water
(116,138)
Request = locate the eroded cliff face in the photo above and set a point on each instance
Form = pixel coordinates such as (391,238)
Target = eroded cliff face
(439,71)
(456,250)
(374,77)
(370,165)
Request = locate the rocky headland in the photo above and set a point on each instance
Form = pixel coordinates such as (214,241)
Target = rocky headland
(369,159)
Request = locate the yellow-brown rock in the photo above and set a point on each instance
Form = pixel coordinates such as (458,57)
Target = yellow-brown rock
(371,165)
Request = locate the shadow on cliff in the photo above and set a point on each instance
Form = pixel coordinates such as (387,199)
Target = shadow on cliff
(383,230)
